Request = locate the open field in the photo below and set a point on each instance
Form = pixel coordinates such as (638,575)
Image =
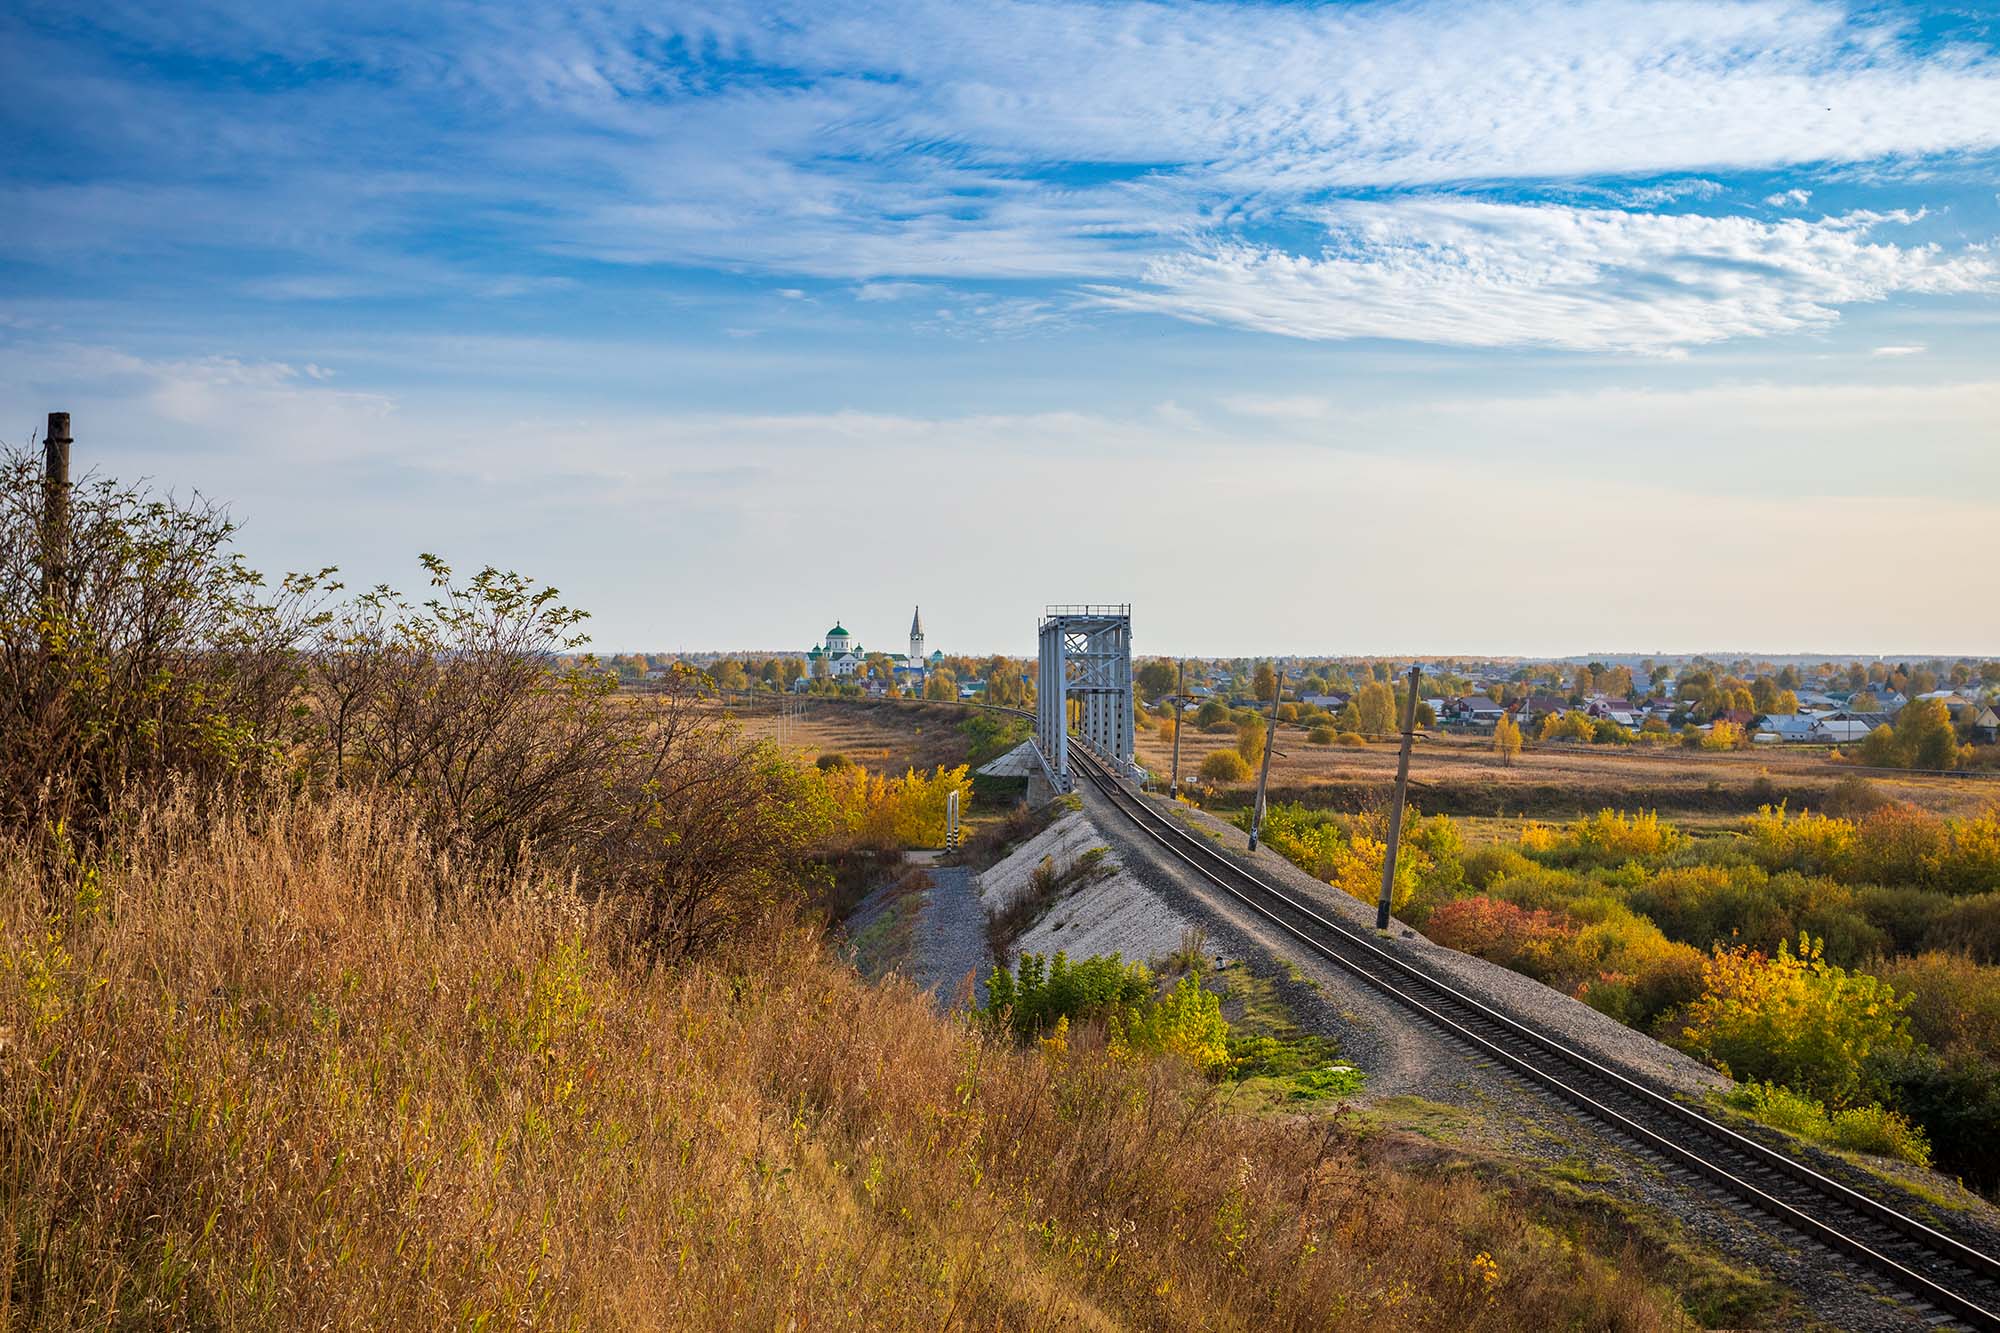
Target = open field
(882,736)
(1461,775)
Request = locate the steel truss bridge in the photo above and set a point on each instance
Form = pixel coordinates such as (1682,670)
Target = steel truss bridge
(1085,685)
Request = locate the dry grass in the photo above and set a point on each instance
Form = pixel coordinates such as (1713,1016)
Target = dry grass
(1460,775)
(879,735)
(261,1078)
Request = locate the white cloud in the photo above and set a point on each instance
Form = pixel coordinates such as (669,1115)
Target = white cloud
(1793,198)
(1487,275)
(891,291)
(929,138)
(1901,349)
(1762,471)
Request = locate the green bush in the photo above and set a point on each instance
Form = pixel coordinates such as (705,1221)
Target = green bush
(1321,735)
(1871,1129)
(1040,991)
(1186,1022)
(1906,916)
(1225,766)
(1954,1001)
(1970,926)
(992,734)
(1486,864)
(1041,997)
(1957,1101)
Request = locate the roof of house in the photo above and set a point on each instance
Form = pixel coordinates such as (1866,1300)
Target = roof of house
(1872,719)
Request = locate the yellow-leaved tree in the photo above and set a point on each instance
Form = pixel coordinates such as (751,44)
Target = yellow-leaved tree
(881,811)
(1507,741)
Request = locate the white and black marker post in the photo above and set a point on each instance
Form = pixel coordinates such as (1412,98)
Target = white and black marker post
(1396,810)
(1264,773)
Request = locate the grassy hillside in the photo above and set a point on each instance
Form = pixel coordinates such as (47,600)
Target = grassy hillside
(264,1073)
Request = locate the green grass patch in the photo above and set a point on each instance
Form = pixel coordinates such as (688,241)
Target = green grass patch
(1420,1116)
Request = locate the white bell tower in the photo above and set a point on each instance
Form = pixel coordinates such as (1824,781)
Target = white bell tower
(917,638)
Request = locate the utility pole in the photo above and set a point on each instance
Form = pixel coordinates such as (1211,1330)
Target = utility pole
(1264,773)
(1180,701)
(1396,810)
(55,506)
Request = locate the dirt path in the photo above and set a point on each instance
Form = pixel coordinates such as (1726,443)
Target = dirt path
(949,947)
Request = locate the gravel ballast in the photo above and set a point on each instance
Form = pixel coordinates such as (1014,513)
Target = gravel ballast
(1505,1114)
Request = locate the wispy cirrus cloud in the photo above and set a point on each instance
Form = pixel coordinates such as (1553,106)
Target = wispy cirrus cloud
(1481,274)
(1190,156)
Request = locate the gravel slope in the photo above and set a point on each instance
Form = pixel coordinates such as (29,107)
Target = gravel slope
(1113,914)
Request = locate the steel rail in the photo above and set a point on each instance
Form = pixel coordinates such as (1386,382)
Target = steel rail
(1353,951)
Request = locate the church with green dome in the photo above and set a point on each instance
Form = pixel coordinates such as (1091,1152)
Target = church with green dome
(839,657)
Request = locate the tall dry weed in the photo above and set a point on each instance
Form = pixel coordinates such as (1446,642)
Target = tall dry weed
(257,1074)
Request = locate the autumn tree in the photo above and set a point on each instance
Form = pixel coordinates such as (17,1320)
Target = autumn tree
(1264,682)
(1507,741)
(136,650)
(1923,732)
(1004,686)
(1250,739)
(1375,708)
(1155,677)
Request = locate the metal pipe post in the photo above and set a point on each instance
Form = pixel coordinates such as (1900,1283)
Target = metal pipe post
(1180,701)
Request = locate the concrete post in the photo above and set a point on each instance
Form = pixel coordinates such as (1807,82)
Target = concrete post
(1396,810)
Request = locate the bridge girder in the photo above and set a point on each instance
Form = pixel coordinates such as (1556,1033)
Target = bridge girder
(1085,681)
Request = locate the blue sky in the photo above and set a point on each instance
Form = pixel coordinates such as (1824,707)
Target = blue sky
(1531,327)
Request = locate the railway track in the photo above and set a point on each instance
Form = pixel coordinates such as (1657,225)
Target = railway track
(1943,1276)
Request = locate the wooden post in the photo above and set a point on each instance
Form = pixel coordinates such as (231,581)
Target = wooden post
(1264,773)
(55,505)
(1396,810)
(1180,701)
